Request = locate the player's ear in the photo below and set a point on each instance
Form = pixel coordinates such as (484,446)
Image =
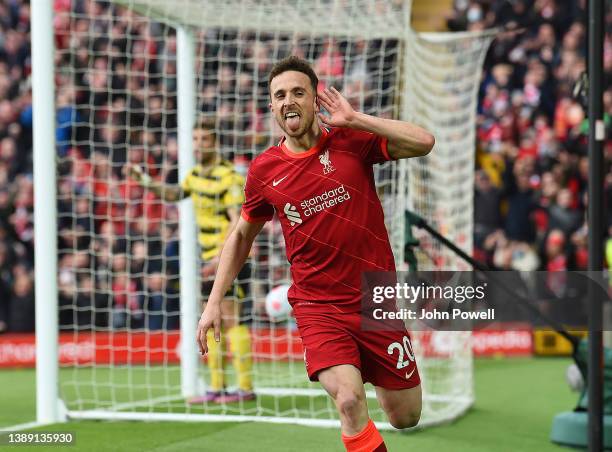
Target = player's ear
(316,104)
(270,106)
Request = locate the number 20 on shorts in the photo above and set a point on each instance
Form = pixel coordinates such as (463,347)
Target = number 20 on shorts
(404,349)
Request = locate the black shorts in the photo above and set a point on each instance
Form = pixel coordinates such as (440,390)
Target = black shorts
(239,290)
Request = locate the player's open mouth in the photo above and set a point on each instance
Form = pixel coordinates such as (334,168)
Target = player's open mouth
(292,119)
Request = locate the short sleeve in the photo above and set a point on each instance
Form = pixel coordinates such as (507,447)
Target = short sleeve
(372,148)
(256,208)
(234,195)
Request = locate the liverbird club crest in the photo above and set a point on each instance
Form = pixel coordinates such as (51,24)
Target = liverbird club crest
(327,164)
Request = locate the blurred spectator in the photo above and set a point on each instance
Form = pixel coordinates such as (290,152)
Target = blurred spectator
(154,302)
(519,224)
(556,262)
(160,305)
(609,259)
(6,281)
(330,64)
(127,312)
(556,259)
(89,305)
(487,214)
(561,214)
(21,304)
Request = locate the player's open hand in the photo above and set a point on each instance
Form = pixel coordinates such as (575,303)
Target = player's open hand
(211,318)
(340,111)
(137,173)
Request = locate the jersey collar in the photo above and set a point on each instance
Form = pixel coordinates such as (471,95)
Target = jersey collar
(313,150)
(206,170)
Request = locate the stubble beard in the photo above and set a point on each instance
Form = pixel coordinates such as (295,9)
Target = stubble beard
(303,130)
(207,157)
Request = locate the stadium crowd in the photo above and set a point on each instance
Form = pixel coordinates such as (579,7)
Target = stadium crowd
(116,103)
(532,173)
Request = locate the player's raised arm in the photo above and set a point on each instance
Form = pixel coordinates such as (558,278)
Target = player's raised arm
(166,192)
(233,256)
(405,140)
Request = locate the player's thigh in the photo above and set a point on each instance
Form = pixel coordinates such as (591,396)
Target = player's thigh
(229,312)
(387,359)
(402,406)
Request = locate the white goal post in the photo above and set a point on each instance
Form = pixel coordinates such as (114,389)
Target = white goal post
(133,76)
(45,216)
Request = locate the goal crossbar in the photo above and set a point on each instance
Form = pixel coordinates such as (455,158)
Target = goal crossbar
(332,18)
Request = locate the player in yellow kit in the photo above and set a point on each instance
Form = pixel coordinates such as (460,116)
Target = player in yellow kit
(216,190)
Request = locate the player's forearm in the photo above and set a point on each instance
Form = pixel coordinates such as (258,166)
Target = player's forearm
(404,140)
(167,193)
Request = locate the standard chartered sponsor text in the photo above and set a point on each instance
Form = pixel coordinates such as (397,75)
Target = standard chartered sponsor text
(325,200)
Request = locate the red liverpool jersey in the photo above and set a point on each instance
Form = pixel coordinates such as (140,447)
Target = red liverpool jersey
(331,217)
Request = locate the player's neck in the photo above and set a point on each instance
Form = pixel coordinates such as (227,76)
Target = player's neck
(209,161)
(304,142)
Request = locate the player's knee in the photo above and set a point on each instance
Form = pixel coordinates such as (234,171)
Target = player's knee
(349,403)
(406,419)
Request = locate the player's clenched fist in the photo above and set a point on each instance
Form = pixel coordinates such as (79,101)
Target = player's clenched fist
(211,318)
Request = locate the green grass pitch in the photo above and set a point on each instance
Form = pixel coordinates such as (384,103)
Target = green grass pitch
(516,400)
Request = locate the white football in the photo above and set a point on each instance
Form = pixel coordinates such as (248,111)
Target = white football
(277,304)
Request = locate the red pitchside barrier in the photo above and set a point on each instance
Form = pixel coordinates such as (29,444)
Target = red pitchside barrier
(88,348)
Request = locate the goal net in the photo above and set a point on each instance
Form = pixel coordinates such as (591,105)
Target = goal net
(441,93)
(123,97)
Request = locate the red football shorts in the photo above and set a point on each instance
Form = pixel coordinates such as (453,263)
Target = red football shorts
(385,358)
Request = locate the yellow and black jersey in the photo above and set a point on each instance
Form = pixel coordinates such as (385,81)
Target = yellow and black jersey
(213,190)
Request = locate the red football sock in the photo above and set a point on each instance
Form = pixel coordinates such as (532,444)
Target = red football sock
(367,440)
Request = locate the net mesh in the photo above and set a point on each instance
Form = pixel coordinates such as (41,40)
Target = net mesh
(116,72)
(444,77)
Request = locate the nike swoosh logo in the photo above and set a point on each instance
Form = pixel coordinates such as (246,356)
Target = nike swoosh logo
(410,374)
(276,182)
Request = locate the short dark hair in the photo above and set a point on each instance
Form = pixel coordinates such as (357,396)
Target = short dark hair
(294,63)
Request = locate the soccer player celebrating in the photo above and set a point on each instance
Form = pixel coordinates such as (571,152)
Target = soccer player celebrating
(217,193)
(319,179)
